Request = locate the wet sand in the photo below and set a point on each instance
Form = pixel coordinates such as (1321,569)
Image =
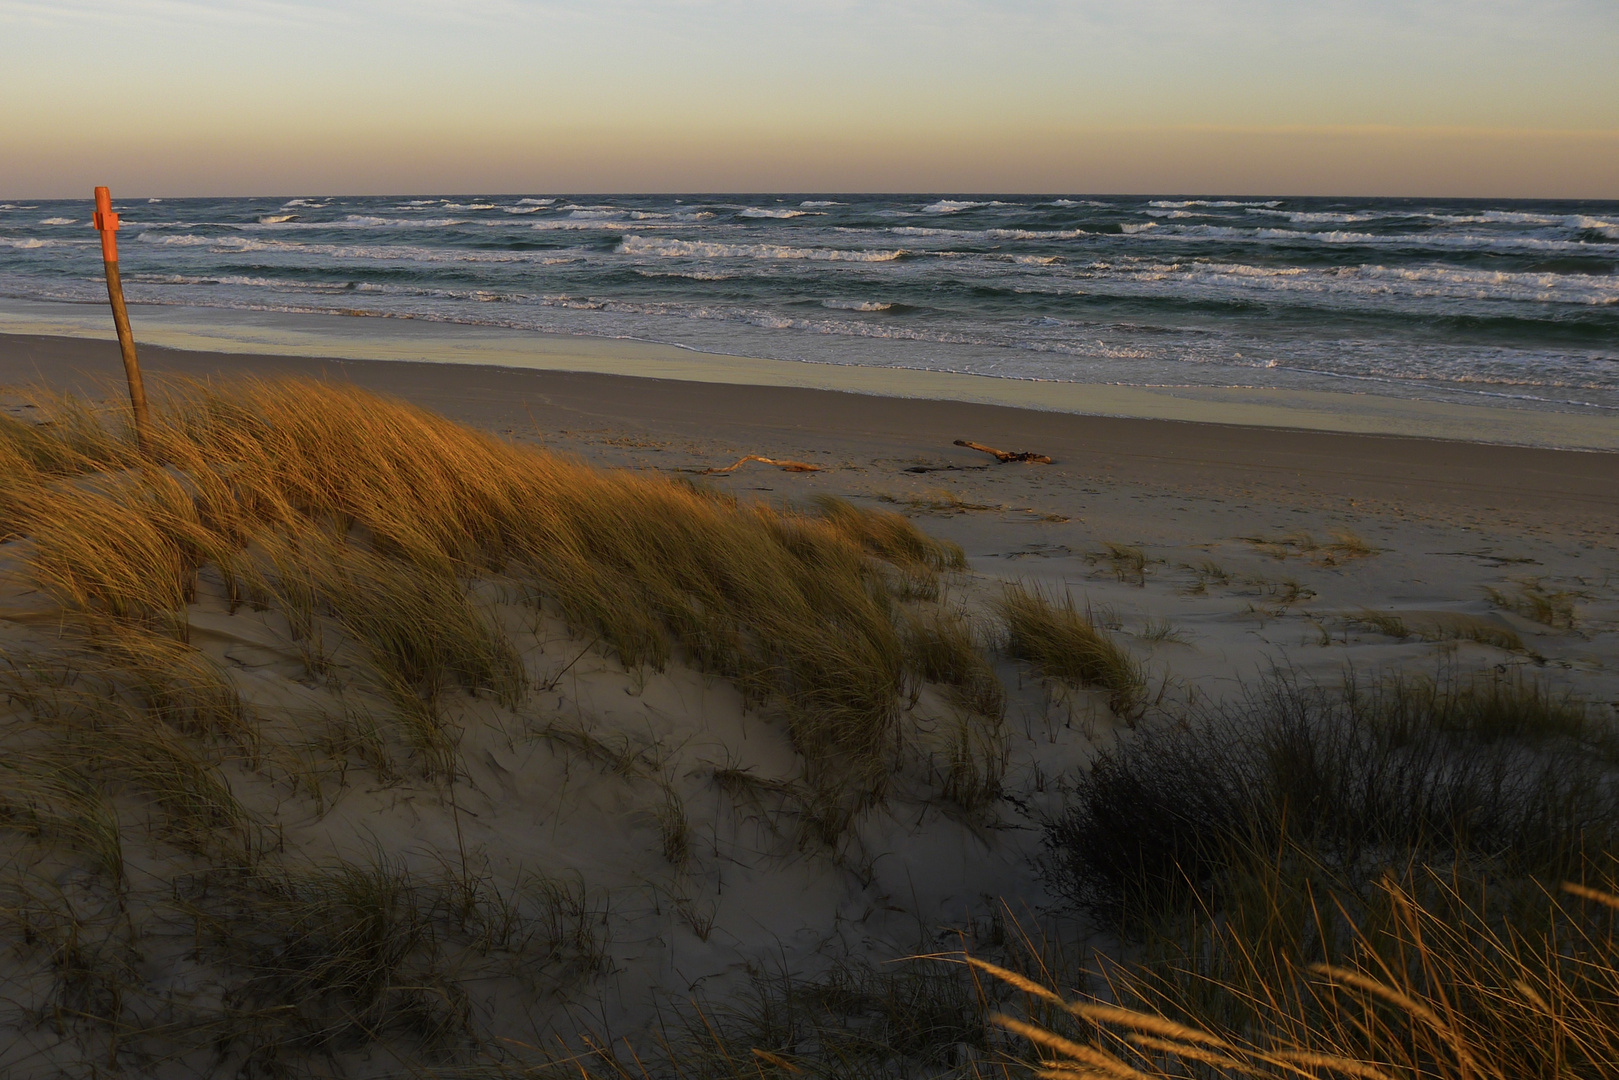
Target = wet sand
(1554,492)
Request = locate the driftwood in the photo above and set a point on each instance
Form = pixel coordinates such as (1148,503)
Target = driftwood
(789,466)
(1005,455)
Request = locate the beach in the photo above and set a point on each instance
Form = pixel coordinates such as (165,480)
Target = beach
(697,419)
(1214,554)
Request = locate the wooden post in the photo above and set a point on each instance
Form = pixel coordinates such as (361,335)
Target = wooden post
(107,223)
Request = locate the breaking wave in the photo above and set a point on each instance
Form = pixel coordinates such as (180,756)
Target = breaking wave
(1407,297)
(704,249)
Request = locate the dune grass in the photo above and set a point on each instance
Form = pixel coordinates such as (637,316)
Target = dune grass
(1449,626)
(1401,878)
(1344,546)
(1243,851)
(1491,766)
(84,740)
(1064,643)
(381,535)
(940,648)
(327,501)
(1430,984)
(1531,599)
(1128,563)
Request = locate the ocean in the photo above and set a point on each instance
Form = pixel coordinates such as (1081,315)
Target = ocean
(1508,303)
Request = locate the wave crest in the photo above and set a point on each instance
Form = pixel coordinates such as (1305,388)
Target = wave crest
(707,249)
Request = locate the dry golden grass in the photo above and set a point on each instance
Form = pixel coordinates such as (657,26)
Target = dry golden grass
(327,501)
(1359,881)
(1127,563)
(382,536)
(940,648)
(1431,984)
(1446,626)
(1344,546)
(374,530)
(1532,600)
(1064,643)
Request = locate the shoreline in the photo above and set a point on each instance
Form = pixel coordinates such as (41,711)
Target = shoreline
(353,338)
(604,417)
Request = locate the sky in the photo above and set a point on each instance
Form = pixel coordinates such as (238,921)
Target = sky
(1489,98)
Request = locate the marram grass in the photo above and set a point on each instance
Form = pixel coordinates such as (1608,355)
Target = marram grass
(375,530)
(1432,984)
(378,536)
(329,500)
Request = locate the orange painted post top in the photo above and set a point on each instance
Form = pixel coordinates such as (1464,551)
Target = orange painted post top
(107,223)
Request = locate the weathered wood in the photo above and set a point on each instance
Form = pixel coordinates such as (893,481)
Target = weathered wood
(788,466)
(1006,455)
(106,223)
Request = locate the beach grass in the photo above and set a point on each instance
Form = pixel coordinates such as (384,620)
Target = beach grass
(1361,878)
(1492,766)
(386,540)
(329,501)
(1066,644)
(1430,981)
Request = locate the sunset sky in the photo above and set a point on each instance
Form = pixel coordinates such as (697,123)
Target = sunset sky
(1486,97)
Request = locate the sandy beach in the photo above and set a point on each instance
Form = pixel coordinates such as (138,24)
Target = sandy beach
(1214,553)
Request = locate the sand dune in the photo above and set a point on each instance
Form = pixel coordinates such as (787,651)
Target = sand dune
(613,839)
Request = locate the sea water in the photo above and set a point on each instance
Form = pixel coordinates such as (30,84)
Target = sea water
(1499,302)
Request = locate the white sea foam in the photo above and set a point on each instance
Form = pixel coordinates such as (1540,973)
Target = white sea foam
(1173,204)
(399,252)
(1349,285)
(276,219)
(770,212)
(704,249)
(535,202)
(856,305)
(812,203)
(28,243)
(177,240)
(302,202)
(564,225)
(1610,229)
(350,221)
(1323,217)
(690,275)
(950,206)
(57,221)
(366,221)
(1465,241)
(1497,217)
(981,234)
